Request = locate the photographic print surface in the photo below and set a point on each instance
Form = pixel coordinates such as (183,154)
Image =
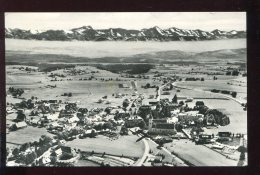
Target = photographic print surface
(126,89)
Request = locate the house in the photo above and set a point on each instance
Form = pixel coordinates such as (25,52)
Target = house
(88,132)
(153,102)
(116,110)
(161,126)
(173,120)
(83,110)
(73,119)
(123,114)
(55,107)
(44,160)
(95,118)
(204,139)
(175,112)
(55,125)
(108,117)
(133,121)
(151,96)
(51,117)
(34,121)
(20,110)
(120,122)
(66,113)
(21,125)
(20,117)
(190,117)
(150,102)
(158,159)
(189,99)
(64,150)
(9,110)
(53,101)
(17,126)
(123,85)
(224,134)
(87,121)
(217,146)
(118,95)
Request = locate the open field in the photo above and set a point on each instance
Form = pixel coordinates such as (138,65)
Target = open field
(86,93)
(192,153)
(240,88)
(28,134)
(213,84)
(118,147)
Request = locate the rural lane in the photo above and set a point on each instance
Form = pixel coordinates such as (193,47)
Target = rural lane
(146,153)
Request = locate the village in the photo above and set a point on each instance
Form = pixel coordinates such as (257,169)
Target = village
(146,121)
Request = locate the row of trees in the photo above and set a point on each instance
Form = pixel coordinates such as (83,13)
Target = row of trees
(67,94)
(194,79)
(233,73)
(126,68)
(233,94)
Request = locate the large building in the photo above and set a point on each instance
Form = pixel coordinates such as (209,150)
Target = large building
(161,126)
(190,117)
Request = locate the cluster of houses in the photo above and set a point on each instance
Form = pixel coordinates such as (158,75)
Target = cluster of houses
(165,117)
(46,151)
(54,115)
(161,118)
(158,116)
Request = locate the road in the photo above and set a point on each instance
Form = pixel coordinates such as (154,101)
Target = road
(169,157)
(140,162)
(146,153)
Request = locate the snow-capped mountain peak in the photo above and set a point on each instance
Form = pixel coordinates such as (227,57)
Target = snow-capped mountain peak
(155,33)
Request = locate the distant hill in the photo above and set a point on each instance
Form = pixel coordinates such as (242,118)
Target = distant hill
(173,56)
(87,33)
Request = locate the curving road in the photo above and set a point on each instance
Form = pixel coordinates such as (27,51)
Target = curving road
(146,153)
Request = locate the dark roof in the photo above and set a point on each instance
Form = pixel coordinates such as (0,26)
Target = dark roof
(164,126)
(217,112)
(159,120)
(65,149)
(53,154)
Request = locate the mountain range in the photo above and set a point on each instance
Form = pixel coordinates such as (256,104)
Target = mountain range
(87,33)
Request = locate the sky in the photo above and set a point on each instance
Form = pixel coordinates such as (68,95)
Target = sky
(207,21)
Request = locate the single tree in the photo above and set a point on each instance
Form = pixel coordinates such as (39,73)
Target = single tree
(234,94)
(175,99)
(126,103)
